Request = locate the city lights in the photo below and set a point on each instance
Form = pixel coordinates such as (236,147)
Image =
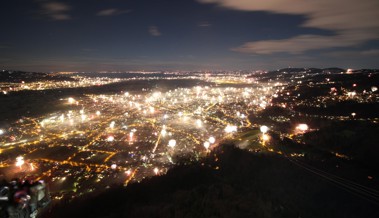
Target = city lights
(156,171)
(164,115)
(212,139)
(206,145)
(172,143)
(264,129)
(199,123)
(163,132)
(171,123)
(20,161)
(71,100)
(265,137)
(110,138)
(230,129)
(112,124)
(302,127)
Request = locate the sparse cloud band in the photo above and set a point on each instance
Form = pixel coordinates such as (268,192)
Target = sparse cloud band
(354,22)
(111,12)
(154,31)
(56,10)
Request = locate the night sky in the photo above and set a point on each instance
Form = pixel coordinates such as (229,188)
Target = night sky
(121,35)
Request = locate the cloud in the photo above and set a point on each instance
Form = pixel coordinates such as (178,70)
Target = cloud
(56,10)
(299,44)
(372,52)
(353,22)
(204,24)
(154,31)
(111,12)
(353,54)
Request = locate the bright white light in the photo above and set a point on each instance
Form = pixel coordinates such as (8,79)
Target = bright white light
(113,166)
(131,134)
(126,94)
(180,114)
(81,111)
(206,145)
(212,139)
(165,116)
(62,118)
(265,137)
(263,105)
(230,129)
(110,139)
(156,94)
(302,127)
(83,116)
(19,161)
(198,123)
(152,110)
(163,132)
(172,143)
(128,172)
(98,113)
(156,171)
(264,129)
(374,89)
(71,100)
(112,124)
(1,132)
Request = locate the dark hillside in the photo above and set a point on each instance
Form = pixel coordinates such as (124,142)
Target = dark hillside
(229,183)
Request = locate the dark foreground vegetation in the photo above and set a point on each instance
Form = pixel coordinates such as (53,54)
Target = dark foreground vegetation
(229,183)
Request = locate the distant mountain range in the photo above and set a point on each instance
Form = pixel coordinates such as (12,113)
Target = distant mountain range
(332,70)
(19,76)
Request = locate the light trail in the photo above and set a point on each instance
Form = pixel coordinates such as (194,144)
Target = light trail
(156,143)
(130,177)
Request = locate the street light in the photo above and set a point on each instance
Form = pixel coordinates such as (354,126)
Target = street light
(206,145)
(212,139)
(264,129)
(172,143)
